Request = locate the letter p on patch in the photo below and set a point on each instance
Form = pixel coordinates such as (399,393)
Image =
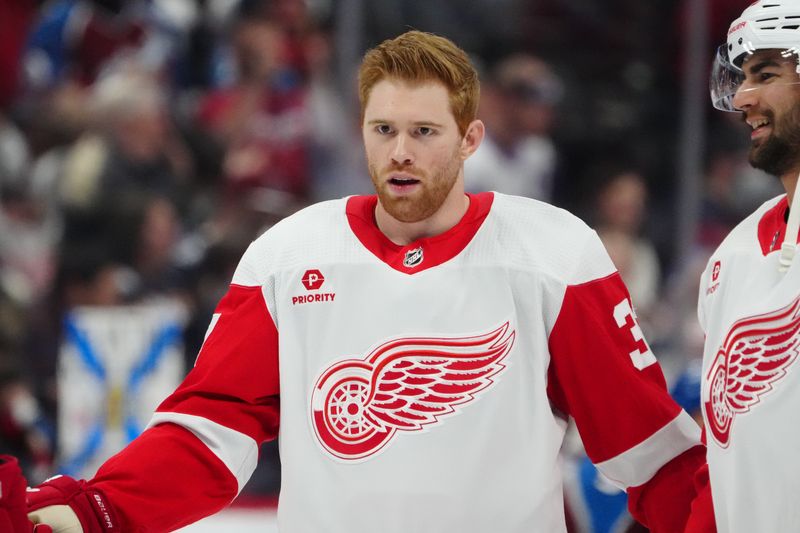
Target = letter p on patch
(313,279)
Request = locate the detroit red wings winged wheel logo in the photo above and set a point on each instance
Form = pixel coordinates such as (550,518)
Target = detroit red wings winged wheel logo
(406,384)
(756,354)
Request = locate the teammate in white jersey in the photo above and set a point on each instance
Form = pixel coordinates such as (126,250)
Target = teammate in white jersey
(749,301)
(417,353)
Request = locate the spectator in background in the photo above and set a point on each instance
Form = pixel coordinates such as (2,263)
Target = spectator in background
(154,255)
(27,240)
(131,175)
(132,149)
(293,17)
(74,41)
(336,155)
(14,154)
(620,210)
(27,235)
(518,105)
(261,119)
(27,255)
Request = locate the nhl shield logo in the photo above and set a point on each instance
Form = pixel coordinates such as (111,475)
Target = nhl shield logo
(413,258)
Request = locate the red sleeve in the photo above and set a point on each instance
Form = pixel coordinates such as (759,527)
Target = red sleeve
(200,455)
(592,376)
(603,374)
(235,380)
(165,479)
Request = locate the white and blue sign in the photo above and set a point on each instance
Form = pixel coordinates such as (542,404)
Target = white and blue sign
(116,365)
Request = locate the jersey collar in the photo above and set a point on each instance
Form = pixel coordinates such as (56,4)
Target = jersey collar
(772,227)
(421,254)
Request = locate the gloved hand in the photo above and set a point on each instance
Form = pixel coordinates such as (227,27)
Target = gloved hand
(701,519)
(13,517)
(71,506)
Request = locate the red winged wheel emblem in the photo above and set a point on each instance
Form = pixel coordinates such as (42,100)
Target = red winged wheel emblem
(755,355)
(359,405)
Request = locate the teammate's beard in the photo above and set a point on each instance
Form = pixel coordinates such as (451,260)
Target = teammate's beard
(424,203)
(780,152)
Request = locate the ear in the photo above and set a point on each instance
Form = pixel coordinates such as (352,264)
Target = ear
(472,138)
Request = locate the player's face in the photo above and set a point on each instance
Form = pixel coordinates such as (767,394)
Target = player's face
(769,99)
(414,150)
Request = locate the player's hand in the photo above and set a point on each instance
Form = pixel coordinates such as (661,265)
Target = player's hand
(701,519)
(70,506)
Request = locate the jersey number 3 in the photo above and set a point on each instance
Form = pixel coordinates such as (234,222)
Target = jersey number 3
(626,318)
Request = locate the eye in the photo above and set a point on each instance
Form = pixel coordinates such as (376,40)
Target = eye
(383,129)
(764,76)
(425,131)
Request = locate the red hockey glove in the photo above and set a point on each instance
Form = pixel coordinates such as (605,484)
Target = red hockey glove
(13,517)
(701,519)
(62,503)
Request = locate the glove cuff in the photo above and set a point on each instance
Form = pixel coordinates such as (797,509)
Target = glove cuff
(103,514)
(90,505)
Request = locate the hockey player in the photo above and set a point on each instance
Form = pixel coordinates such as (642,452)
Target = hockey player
(749,301)
(418,353)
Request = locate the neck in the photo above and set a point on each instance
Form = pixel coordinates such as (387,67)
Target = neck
(447,216)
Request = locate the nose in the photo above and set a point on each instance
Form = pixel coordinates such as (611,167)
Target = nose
(401,153)
(746,95)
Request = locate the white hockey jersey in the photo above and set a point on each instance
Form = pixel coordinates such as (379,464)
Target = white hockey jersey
(413,388)
(751,378)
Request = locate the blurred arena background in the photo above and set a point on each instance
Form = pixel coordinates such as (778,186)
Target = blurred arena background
(145,143)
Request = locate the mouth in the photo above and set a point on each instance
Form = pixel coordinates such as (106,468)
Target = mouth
(402,183)
(760,127)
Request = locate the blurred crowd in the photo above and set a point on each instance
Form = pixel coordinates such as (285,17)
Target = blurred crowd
(145,143)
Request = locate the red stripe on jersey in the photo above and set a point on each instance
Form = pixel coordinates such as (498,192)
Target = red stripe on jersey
(592,376)
(772,227)
(435,250)
(235,381)
(165,479)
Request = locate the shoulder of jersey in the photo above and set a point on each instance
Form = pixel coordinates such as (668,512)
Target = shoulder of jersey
(302,236)
(745,235)
(314,222)
(537,218)
(547,238)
